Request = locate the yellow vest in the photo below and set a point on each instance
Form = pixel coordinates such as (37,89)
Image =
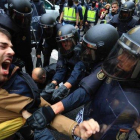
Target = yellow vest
(69,14)
(83,10)
(91,15)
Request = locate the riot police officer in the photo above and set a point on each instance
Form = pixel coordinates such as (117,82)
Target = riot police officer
(124,21)
(47,41)
(97,43)
(17,22)
(91,16)
(69,70)
(115,105)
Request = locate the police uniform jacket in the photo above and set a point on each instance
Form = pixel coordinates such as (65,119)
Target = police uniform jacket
(122,27)
(114,104)
(21,38)
(71,66)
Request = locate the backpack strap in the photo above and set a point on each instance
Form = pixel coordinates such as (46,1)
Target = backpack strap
(35,91)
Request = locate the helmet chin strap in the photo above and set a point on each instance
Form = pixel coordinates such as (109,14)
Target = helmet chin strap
(73,42)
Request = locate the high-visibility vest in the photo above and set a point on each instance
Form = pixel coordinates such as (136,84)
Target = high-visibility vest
(69,14)
(83,10)
(91,15)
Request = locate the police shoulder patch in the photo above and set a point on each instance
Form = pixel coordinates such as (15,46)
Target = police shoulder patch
(122,134)
(101,75)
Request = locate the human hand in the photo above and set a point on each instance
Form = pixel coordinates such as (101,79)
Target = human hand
(40,118)
(26,114)
(86,23)
(86,129)
(50,88)
(76,27)
(60,93)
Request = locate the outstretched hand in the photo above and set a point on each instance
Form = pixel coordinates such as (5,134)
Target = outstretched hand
(87,128)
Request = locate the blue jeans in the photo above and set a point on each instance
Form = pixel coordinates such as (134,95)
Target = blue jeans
(44,134)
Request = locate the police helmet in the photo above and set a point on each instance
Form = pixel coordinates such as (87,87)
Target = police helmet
(67,38)
(47,22)
(97,43)
(21,12)
(126,11)
(123,63)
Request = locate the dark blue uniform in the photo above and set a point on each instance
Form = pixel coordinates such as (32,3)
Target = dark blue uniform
(2,3)
(83,94)
(122,27)
(49,44)
(21,41)
(113,104)
(70,70)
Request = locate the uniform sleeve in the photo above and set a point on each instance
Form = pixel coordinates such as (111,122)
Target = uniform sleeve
(80,12)
(61,70)
(77,73)
(39,48)
(76,9)
(96,20)
(76,99)
(112,22)
(91,83)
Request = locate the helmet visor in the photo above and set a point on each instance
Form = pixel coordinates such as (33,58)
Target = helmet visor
(22,19)
(64,37)
(122,63)
(124,15)
(88,54)
(48,32)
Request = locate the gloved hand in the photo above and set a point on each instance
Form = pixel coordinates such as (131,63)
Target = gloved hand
(38,62)
(47,92)
(60,93)
(50,87)
(18,62)
(41,118)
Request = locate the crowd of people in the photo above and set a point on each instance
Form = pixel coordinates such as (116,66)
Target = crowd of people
(98,67)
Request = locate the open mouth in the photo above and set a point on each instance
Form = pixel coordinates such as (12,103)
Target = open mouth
(5,67)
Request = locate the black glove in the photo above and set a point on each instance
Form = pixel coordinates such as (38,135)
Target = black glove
(50,88)
(38,62)
(18,62)
(47,92)
(60,93)
(41,118)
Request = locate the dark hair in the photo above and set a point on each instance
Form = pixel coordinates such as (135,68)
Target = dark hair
(5,32)
(41,72)
(115,2)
